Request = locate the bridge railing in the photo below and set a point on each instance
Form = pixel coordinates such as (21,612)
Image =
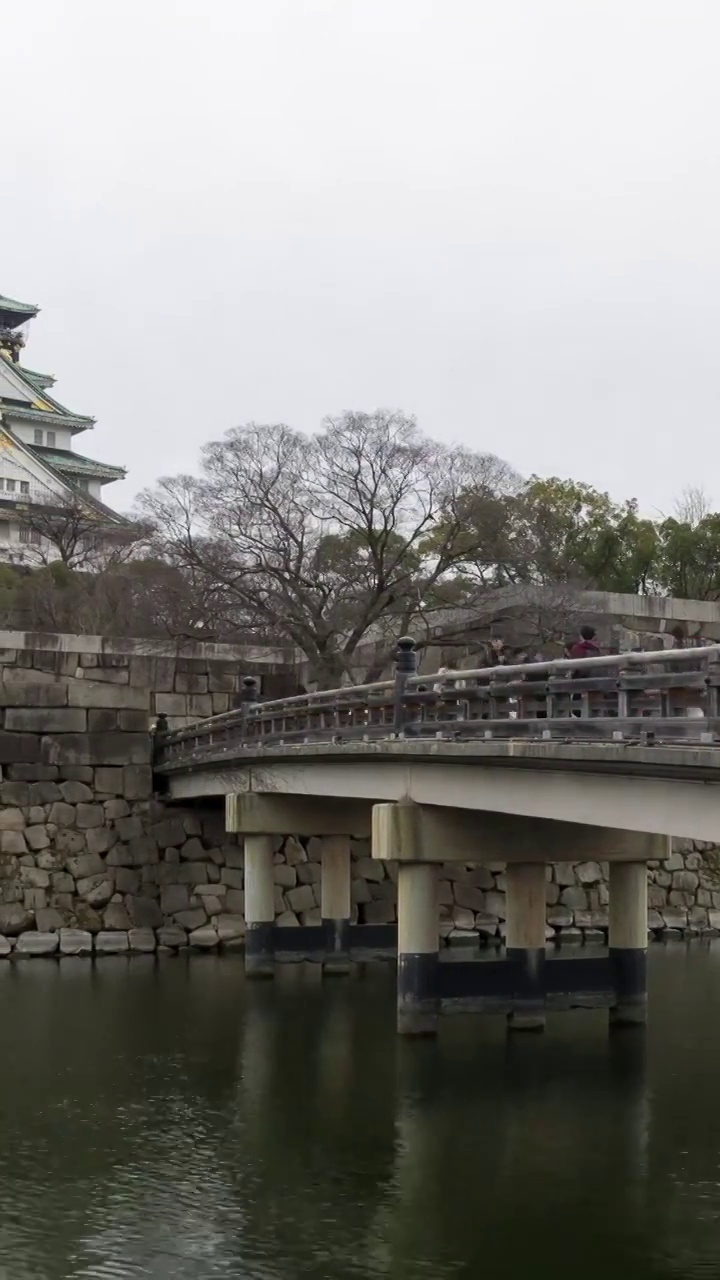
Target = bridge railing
(666,695)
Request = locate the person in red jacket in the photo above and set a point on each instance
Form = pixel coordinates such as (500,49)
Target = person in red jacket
(585,647)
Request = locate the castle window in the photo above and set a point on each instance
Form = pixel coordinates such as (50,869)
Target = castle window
(51,439)
(24,486)
(10,486)
(29,535)
(38,438)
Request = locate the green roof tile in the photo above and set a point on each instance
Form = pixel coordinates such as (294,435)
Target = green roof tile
(66,461)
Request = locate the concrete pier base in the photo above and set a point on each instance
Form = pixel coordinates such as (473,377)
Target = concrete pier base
(525,944)
(628,942)
(418,1002)
(335,903)
(259,907)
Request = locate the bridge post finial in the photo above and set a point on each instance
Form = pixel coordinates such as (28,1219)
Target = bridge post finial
(405,666)
(248,697)
(249,689)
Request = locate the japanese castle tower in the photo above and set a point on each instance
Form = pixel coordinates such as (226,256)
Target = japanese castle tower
(38,464)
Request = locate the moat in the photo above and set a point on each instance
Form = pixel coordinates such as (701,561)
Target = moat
(169,1119)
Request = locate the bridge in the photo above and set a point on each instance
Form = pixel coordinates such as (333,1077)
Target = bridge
(524,765)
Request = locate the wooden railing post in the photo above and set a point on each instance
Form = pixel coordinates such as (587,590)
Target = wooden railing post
(405,666)
(249,696)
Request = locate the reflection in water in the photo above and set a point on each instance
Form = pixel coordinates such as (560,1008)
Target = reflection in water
(171,1120)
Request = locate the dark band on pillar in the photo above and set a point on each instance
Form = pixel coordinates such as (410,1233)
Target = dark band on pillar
(260,946)
(528,1009)
(418,992)
(629,970)
(337,937)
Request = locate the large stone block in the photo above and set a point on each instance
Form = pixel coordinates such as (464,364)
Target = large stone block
(301,898)
(171,704)
(200,705)
(111,943)
(466,895)
(14,919)
(108,675)
(232,877)
(44,792)
(141,940)
(120,697)
(294,851)
(126,880)
(36,944)
(379,912)
(128,827)
(144,851)
(15,793)
(62,814)
(45,719)
(96,749)
(172,935)
(138,779)
(22,693)
(193,919)
(168,833)
(11,820)
(205,937)
(152,673)
(48,920)
(13,842)
(34,878)
(230,927)
(235,901)
(31,772)
(37,837)
(96,890)
(100,839)
(85,865)
(369,869)
(75,942)
(144,912)
(192,850)
(496,904)
(190,682)
(222,677)
(287,876)
(109,781)
(33,899)
(588,873)
(575,898)
(115,916)
(86,917)
(102,721)
(67,841)
(89,815)
(76,792)
(174,898)
(134,721)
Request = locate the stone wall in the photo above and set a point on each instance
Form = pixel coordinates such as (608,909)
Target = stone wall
(92,860)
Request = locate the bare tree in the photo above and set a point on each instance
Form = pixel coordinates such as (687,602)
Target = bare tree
(327,540)
(692,506)
(75,533)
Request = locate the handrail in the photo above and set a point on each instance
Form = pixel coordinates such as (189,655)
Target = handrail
(574,697)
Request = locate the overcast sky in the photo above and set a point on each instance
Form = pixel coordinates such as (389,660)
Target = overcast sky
(503,218)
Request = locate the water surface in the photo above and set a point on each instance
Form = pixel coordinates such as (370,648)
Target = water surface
(172,1120)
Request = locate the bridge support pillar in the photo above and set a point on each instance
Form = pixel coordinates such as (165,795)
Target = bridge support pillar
(525,943)
(259,907)
(418,1002)
(335,903)
(628,942)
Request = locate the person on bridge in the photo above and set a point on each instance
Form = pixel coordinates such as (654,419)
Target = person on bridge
(585,646)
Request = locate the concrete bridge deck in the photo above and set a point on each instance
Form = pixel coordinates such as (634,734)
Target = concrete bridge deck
(524,765)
